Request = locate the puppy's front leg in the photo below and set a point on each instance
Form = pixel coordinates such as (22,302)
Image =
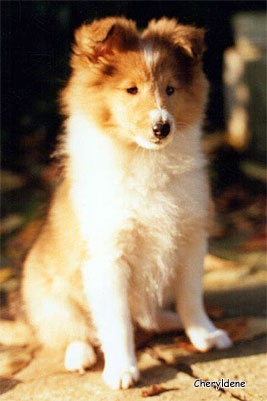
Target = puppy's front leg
(199,328)
(105,283)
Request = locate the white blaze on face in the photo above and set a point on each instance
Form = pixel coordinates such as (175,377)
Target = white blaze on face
(151,56)
(158,115)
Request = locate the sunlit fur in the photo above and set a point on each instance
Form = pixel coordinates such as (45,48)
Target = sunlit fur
(150,63)
(126,232)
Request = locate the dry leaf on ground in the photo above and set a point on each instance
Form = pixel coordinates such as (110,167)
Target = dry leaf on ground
(236,328)
(186,345)
(155,389)
(243,328)
(215,312)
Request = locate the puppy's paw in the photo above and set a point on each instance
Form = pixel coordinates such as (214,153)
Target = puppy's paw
(79,356)
(204,340)
(123,378)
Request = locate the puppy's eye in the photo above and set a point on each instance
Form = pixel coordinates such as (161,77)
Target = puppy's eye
(133,90)
(169,90)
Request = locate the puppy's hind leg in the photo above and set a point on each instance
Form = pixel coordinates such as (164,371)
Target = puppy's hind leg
(60,325)
(57,322)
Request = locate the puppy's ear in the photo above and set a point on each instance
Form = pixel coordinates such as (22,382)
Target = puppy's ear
(187,38)
(191,40)
(104,37)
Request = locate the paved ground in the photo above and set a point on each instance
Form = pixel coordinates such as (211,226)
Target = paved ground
(240,292)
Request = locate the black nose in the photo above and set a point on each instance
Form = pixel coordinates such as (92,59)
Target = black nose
(161,130)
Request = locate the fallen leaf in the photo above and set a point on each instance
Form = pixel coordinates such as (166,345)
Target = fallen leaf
(186,345)
(236,327)
(7,383)
(243,328)
(215,312)
(168,354)
(155,389)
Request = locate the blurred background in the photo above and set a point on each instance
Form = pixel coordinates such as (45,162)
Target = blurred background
(36,43)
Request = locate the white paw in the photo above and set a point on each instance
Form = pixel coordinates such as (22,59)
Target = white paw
(121,378)
(79,356)
(204,340)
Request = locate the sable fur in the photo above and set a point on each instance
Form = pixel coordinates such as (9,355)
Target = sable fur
(128,223)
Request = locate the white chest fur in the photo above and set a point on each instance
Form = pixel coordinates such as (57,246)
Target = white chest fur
(153,187)
(140,205)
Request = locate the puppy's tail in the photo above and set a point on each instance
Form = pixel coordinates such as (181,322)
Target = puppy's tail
(17,346)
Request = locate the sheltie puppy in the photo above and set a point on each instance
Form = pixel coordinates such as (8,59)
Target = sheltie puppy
(126,233)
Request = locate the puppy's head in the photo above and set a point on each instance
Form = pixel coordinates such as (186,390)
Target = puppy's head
(141,89)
